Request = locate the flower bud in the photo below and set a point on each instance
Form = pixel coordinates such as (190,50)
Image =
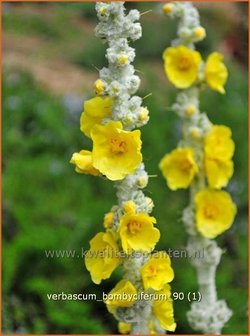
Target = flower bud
(108,218)
(199,33)
(190,110)
(123,59)
(167,8)
(99,87)
(129,206)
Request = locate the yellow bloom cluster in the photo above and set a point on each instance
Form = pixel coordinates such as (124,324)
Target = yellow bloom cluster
(124,294)
(162,307)
(212,157)
(180,169)
(116,152)
(184,67)
(201,162)
(136,232)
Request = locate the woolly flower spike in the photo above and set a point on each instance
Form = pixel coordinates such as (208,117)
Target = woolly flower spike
(116,153)
(216,72)
(163,309)
(84,163)
(157,271)
(179,168)
(181,66)
(215,212)
(202,162)
(138,233)
(95,110)
(189,29)
(103,256)
(110,119)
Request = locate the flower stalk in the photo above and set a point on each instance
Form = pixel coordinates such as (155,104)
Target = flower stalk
(202,161)
(130,235)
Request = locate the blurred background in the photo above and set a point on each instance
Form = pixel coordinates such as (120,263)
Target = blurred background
(50,56)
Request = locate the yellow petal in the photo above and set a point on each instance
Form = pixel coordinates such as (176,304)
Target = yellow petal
(216,73)
(83,162)
(95,110)
(218,172)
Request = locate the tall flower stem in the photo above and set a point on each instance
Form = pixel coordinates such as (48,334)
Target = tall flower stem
(193,161)
(110,120)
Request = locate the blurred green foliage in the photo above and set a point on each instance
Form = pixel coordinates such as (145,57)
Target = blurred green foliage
(46,205)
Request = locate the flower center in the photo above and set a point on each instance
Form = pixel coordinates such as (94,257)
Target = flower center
(184,63)
(134,226)
(152,271)
(117,146)
(185,165)
(210,211)
(218,141)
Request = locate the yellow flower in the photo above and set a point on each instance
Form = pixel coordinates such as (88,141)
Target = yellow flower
(83,162)
(179,168)
(181,66)
(99,87)
(216,72)
(108,219)
(95,110)
(218,143)
(215,212)
(137,232)
(116,153)
(103,256)
(124,328)
(218,172)
(163,309)
(124,294)
(157,271)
